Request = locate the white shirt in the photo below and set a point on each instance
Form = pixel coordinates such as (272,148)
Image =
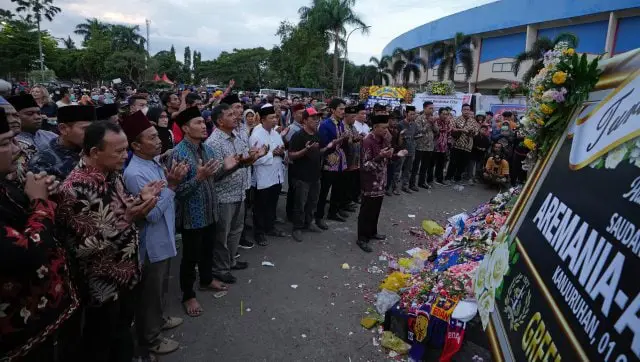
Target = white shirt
(269,169)
(61,104)
(362,128)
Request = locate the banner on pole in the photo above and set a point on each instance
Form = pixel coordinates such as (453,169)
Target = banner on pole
(455,101)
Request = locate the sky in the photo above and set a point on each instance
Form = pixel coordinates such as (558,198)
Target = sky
(213,26)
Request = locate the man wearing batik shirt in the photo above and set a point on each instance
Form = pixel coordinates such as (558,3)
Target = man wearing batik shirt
(422,163)
(196,206)
(352,153)
(464,130)
(376,153)
(63,153)
(97,217)
(441,144)
(157,236)
(230,188)
(37,298)
(31,138)
(334,165)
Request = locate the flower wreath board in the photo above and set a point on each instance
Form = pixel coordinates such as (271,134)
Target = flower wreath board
(572,240)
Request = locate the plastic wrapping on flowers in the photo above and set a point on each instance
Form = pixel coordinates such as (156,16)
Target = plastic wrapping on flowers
(454,256)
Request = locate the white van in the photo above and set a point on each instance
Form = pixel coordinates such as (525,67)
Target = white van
(264,92)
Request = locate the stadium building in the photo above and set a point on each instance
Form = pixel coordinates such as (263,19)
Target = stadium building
(505,28)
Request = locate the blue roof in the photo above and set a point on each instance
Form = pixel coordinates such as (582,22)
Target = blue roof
(502,14)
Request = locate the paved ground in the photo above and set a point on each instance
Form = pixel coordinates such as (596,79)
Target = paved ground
(263,318)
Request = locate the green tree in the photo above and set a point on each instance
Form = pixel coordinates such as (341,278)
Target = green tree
(19,48)
(186,69)
(536,54)
(165,63)
(127,63)
(36,10)
(89,28)
(69,43)
(126,37)
(452,52)
(67,63)
(332,17)
(248,67)
(407,63)
(92,61)
(382,68)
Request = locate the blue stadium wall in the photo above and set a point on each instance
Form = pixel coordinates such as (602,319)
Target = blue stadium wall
(505,14)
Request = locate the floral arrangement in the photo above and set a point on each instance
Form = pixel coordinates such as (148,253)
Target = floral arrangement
(386,91)
(443,88)
(628,151)
(511,90)
(554,94)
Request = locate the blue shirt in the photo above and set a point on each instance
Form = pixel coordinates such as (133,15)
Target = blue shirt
(196,199)
(157,237)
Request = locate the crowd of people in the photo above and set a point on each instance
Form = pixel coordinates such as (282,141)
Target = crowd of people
(92,204)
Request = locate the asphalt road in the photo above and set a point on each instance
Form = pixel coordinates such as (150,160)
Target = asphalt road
(307,307)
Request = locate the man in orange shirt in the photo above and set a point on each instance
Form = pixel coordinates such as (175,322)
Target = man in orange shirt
(496,171)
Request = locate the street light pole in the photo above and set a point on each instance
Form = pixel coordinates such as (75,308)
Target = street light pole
(346,52)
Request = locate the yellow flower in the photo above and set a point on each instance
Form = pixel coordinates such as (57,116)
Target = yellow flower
(528,143)
(540,121)
(570,51)
(559,77)
(546,109)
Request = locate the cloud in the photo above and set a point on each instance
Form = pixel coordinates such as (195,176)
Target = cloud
(213,26)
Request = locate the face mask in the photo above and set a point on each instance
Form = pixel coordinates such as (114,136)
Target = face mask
(505,128)
(145,110)
(72,98)
(95,98)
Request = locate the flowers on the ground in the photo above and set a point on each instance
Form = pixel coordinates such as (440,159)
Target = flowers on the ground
(555,92)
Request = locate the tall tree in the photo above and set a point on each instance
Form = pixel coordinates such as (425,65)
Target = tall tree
(36,10)
(332,17)
(452,52)
(90,28)
(536,54)
(248,67)
(129,63)
(408,63)
(187,64)
(165,62)
(69,43)
(127,37)
(382,68)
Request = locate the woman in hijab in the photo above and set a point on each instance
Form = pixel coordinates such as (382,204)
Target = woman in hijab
(160,119)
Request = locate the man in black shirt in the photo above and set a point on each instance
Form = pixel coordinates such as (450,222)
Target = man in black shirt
(306,154)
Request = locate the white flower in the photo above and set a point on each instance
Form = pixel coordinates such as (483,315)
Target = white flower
(614,157)
(486,304)
(43,302)
(480,281)
(595,163)
(634,155)
(42,271)
(3,307)
(25,313)
(525,122)
(499,264)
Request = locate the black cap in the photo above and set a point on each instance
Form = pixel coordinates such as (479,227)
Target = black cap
(380,118)
(106,111)
(266,110)
(410,108)
(230,99)
(23,101)
(70,114)
(187,115)
(351,110)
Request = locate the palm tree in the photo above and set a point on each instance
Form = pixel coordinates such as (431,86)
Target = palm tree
(382,68)
(90,27)
(127,37)
(536,54)
(332,17)
(68,43)
(408,63)
(36,9)
(452,52)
